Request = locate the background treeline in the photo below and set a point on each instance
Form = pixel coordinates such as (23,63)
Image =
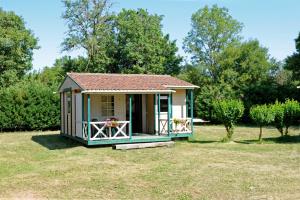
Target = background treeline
(220,61)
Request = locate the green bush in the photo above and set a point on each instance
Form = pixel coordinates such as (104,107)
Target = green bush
(291,113)
(29,106)
(278,110)
(262,115)
(228,112)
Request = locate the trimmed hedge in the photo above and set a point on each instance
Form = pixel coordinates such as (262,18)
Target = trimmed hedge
(29,106)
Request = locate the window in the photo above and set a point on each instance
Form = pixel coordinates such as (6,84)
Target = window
(163,103)
(107,106)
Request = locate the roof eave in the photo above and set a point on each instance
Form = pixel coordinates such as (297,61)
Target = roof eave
(181,87)
(126,91)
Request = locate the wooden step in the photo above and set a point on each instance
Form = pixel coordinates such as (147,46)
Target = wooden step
(143,145)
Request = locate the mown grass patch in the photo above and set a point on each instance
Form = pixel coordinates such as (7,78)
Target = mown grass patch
(45,165)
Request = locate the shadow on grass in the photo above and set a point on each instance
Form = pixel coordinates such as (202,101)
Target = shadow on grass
(55,141)
(280,140)
(203,141)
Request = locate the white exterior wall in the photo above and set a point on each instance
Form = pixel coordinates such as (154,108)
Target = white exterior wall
(179,104)
(119,107)
(78,115)
(68,83)
(178,107)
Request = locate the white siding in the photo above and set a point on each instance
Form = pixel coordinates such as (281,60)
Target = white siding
(119,108)
(179,104)
(61,113)
(68,83)
(73,114)
(78,118)
(178,107)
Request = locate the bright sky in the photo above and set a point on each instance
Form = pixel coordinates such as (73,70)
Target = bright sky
(275,23)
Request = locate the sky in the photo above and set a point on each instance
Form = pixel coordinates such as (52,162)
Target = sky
(275,23)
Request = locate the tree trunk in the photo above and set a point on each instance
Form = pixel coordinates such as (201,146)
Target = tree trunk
(260,134)
(281,131)
(229,133)
(286,131)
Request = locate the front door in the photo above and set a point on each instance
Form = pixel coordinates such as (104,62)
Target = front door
(137,117)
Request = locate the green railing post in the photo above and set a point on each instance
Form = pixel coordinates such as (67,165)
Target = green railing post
(158,113)
(171,105)
(130,116)
(89,116)
(154,103)
(82,114)
(192,110)
(169,114)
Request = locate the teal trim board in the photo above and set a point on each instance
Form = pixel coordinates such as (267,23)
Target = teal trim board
(89,116)
(130,116)
(158,113)
(154,109)
(82,114)
(169,114)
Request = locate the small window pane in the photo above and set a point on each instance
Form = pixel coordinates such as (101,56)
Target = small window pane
(164,103)
(107,106)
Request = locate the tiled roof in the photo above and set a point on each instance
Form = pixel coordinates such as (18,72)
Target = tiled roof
(98,81)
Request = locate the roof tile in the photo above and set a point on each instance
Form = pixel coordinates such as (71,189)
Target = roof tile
(98,81)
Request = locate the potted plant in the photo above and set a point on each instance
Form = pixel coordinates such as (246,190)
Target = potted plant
(176,122)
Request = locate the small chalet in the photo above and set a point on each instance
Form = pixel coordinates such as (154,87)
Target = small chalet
(125,108)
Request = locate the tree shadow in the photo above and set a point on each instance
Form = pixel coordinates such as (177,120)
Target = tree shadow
(203,141)
(289,139)
(55,141)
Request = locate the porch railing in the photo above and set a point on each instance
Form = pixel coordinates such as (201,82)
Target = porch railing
(103,130)
(178,126)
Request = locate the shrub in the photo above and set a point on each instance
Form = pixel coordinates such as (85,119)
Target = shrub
(228,112)
(29,106)
(278,110)
(291,113)
(262,115)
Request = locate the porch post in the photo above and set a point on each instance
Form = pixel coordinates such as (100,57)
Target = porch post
(130,116)
(169,114)
(192,110)
(82,113)
(154,103)
(171,105)
(158,113)
(89,116)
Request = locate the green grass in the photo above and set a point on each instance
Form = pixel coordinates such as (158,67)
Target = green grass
(45,165)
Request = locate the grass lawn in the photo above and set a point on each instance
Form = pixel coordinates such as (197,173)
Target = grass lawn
(45,165)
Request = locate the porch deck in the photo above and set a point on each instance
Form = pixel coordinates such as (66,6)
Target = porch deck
(136,138)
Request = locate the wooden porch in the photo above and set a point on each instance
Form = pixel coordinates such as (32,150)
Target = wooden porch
(106,132)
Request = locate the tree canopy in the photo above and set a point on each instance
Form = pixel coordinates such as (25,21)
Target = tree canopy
(293,61)
(16,48)
(90,28)
(141,46)
(212,30)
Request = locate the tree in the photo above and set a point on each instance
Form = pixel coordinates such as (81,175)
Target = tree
(16,48)
(245,63)
(141,46)
(291,113)
(228,112)
(212,30)
(262,115)
(293,62)
(90,27)
(278,109)
(68,64)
